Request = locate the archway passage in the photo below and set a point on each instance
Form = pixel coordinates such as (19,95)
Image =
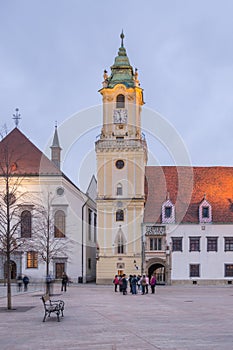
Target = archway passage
(158,270)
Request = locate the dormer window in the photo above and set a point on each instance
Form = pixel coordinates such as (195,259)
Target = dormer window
(205,212)
(168,212)
(120,101)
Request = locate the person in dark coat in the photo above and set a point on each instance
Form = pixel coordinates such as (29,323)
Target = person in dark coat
(64,281)
(134,284)
(25,283)
(124,284)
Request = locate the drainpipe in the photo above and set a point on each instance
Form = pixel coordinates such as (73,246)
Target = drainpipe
(142,250)
(82,254)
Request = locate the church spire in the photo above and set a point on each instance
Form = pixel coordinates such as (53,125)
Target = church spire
(56,149)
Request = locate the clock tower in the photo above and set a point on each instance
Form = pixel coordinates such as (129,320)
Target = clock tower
(121,153)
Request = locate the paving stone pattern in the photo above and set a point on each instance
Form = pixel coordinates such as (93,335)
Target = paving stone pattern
(97,318)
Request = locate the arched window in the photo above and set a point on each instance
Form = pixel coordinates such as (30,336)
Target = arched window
(119,189)
(26,224)
(120,215)
(59,224)
(120,243)
(120,101)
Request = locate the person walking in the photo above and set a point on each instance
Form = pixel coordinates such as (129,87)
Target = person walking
(116,282)
(25,283)
(64,281)
(153,284)
(19,283)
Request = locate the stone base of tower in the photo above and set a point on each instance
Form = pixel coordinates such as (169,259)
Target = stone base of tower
(108,267)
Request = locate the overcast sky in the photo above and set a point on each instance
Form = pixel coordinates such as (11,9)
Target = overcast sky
(52,57)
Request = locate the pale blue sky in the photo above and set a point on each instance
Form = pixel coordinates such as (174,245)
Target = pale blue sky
(53,54)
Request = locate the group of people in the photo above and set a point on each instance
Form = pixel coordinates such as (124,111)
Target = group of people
(22,280)
(64,282)
(138,284)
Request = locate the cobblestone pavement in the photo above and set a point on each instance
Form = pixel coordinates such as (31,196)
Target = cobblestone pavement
(97,318)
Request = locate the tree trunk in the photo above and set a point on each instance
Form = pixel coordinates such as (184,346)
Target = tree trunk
(9,304)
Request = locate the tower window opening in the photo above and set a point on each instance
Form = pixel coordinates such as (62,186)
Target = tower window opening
(120,243)
(119,215)
(120,101)
(119,190)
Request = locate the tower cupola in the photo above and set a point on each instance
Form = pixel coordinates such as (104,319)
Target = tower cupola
(121,71)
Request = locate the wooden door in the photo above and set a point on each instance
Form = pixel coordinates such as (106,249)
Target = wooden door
(60,268)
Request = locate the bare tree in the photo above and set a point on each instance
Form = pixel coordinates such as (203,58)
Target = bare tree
(11,196)
(49,239)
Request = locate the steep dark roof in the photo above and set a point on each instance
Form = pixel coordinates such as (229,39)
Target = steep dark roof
(26,158)
(186,188)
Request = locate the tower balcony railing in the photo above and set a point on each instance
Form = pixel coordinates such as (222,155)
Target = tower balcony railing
(121,143)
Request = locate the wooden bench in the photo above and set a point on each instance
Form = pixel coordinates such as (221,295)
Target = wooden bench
(50,306)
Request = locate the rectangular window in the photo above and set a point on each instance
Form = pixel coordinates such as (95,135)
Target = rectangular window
(89,263)
(212,244)
(228,244)
(168,212)
(194,270)
(155,243)
(32,260)
(95,225)
(89,223)
(119,190)
(177,244)
(194,244)
(228,270)
(205,212)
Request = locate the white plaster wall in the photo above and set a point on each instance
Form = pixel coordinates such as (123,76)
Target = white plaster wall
(211,263)
(72,200)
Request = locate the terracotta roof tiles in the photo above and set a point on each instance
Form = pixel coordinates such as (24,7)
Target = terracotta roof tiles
(186,188)
(24,156)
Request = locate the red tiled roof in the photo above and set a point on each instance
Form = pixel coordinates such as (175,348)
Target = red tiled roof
(186,187)
(25,156)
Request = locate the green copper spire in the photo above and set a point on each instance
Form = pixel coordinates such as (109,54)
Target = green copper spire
(122,72)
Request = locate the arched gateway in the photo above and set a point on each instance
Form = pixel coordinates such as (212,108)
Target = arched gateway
(160,269)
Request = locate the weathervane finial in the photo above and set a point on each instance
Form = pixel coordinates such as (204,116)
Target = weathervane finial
(16,117)
(122,38)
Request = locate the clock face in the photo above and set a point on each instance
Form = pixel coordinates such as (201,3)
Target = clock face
(120,164)
(120,116)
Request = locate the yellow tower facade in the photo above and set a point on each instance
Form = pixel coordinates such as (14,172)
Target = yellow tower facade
(121,153)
